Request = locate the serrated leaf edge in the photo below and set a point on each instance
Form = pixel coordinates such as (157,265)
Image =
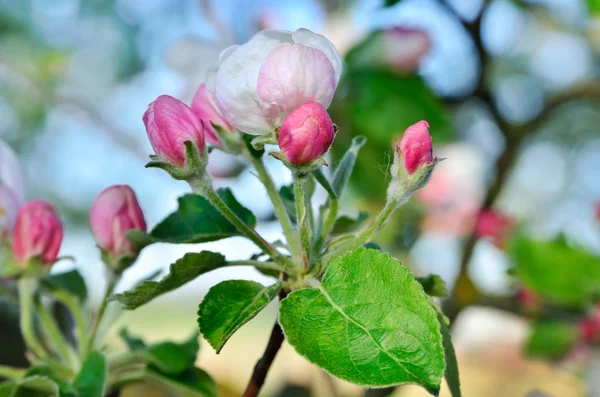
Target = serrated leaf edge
(438,334)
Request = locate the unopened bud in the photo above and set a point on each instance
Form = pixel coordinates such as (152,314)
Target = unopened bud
(206,110)
(494,225)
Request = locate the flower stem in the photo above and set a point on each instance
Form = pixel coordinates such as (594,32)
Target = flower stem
(203,187)
(53,332)
(74,307)
(11,372)
(302,216)
(366,235)
(112,282)
(27,287)
(278,206)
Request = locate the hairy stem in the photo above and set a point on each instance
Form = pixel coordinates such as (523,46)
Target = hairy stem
(302,217)
(203,187)
(280,211)
(27,287)
(264,364)
(74,307)
(110,287)
(53,333)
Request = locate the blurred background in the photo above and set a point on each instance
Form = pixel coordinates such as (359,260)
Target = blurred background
(509,87)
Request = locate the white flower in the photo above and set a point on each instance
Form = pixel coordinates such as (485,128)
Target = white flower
(12,192)
(257,84)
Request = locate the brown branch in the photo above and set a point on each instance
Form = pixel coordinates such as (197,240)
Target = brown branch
(264,364)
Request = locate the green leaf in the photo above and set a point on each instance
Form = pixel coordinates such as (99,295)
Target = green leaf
(347,224)
(369,323)
(390,3)
(34,386)
(70,281)
(91,380)
(195,221)
(287,195)
(434,285)
(133,342)
(192,383)
(593,7)
(451,373)
(229,305)
(343,171)
(551,340)
(182,271)
(561,273)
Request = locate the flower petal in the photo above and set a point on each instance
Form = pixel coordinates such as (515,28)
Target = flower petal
(321,43)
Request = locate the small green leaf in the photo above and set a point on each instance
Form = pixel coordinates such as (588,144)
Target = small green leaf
(451,373)
(170,357)
(346,165)
(70,281)
(195,221)
(133,342)
(181,272)
(565,274)
(369,323)
(91,380)
(229,305)
(551,340)
(33,386)
(192,383)
(434,285)
(347,224)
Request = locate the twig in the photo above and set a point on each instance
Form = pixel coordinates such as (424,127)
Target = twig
(262,366)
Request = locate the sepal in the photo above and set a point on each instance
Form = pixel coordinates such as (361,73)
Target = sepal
(195,163)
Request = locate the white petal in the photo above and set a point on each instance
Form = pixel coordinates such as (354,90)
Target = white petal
(236,81)
(292,75)
(321,43)
(10,171)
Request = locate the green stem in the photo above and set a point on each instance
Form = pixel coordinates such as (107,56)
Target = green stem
(279,207)
(112,282)
(302,216)
(27,288)
(327,215)
(258,264)
(366,235)
(11,372)
(74,307)
(203,187)
(54,334)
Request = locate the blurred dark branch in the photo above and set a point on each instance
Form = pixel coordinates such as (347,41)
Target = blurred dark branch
(264,364)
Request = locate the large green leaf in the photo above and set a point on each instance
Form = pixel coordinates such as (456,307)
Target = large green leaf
(70,281)
(231,304)
(381,105)
(181,272)
(451,374)
(369,323)
(195,221)
(91,380)
(559,272)
(34,386)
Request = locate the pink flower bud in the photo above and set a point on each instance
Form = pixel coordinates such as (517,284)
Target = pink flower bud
(415,147)
(205,109)
(306,133)
(38,232)
(169,123)
(115,211)
(494,225)
(527,298)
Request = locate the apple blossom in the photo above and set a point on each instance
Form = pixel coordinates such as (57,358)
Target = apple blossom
(494,225)
(415,147)
(257,84)
(116,210)
(306,133)
(170,123)
(205,109)
(38,233)
(9,205)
